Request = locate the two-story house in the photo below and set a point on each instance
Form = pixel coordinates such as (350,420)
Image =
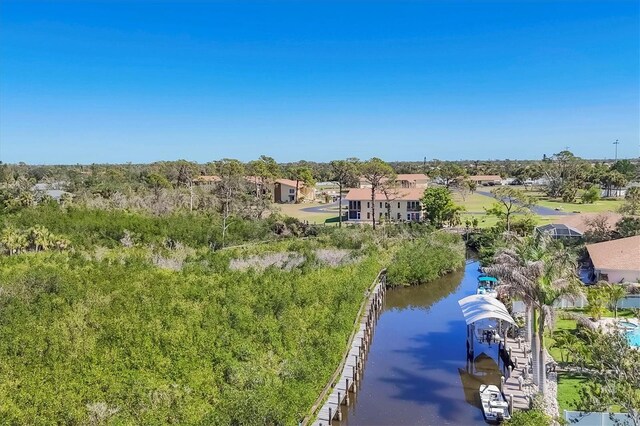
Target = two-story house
(396,204)
(285,191)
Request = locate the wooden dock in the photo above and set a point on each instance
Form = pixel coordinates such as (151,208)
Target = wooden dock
(518,383)
(347,377)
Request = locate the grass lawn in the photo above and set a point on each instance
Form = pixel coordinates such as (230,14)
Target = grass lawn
(569,384)
(473,203)
(609,205)
(295,210)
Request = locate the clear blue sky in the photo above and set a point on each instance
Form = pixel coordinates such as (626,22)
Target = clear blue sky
(140,81)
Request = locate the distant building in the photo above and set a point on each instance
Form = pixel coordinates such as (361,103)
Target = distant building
(617,260)
(400,204)
(403,180)
(285,191)
(486,180)
(412,180)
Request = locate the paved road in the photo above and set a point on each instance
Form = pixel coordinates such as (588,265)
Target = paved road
(543,211)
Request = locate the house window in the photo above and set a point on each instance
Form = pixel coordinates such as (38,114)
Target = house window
(292,191)
(368,215)
(408,216)
(380,205)
(399,215)
(398,207)
(380,215)
(368,205)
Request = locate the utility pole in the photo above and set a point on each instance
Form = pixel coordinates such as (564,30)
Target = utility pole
(616,143)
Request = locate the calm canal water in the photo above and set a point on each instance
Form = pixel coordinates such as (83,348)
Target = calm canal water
(417,364)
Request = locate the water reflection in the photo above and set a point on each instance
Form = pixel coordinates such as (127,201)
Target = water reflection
(417,371)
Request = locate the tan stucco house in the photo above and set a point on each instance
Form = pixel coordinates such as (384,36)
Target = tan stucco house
(398,204)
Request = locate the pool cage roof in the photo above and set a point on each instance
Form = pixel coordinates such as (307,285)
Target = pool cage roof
(558,230)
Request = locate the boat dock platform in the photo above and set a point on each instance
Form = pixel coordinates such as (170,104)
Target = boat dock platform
(347,377)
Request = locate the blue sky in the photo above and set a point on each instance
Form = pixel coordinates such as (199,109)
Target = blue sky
(140,81)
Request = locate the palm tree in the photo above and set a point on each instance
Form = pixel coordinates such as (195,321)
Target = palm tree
(615,293)
(13,240)
(539,273)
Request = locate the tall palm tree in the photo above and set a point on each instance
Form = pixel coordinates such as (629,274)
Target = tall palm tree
(539,272)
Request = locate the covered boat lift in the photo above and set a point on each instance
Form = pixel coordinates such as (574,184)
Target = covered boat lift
(480,307)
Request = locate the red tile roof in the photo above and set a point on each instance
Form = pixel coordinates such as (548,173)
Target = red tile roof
(364,194)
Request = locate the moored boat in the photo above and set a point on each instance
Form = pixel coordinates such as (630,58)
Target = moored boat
(487,285)
(494,406)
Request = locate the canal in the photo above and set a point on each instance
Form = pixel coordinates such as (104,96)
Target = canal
(417,365)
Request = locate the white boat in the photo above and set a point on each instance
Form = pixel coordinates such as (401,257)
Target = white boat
(494,407)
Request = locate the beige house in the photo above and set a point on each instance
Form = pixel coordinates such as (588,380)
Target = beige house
(398,204)
(285,191)
(406,180)
(412,180)
(486,180)
(617,260)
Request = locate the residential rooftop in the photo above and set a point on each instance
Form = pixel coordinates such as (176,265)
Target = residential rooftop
(620,255)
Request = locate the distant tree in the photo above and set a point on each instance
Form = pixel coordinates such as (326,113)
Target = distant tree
(591,195)
(450,173)
(628,226)
(613,179)
(509,201)
(598,229)
(626,168)
(229,191)
(302,174)
(564,173)
(264,170)
(439,208)
(467,186)
(376,172)
(631,204)
(345,173)
(157,182)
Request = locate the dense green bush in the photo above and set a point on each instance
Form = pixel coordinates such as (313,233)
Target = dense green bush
(118,339)
(90,227)
(533,417)
(427,258)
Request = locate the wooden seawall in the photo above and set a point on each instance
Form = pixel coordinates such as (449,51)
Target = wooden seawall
(347,376)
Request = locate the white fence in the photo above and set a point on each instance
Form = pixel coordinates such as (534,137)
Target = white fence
(630,301)
(597,419)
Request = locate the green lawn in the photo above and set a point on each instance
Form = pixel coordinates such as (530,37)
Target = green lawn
(569,385)
(597,207)
(295,210)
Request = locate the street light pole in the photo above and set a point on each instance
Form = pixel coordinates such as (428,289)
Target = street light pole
(616,143)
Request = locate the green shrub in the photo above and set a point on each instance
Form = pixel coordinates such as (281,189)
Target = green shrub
(426,258)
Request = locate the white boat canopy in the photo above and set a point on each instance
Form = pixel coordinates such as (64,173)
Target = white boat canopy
(478,307)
